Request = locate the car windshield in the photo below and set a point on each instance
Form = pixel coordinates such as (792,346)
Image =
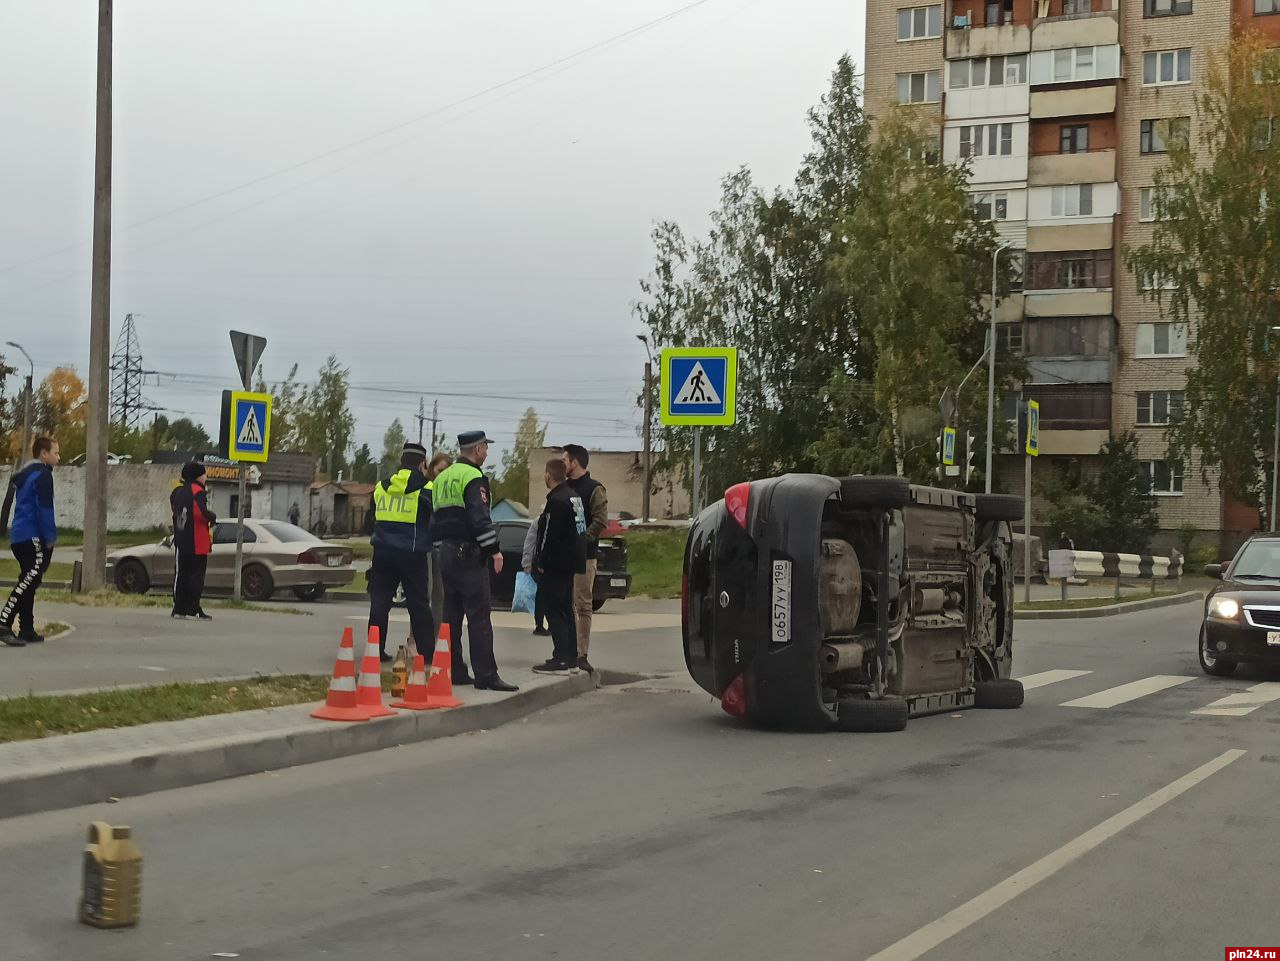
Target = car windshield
(1258,560)
(286,533)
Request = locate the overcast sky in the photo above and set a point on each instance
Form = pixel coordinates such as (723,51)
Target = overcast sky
(313,171)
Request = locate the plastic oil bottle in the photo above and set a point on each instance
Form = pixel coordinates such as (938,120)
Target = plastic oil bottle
(400,672)
(111,895)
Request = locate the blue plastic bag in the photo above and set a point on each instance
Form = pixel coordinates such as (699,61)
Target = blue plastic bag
(525,595)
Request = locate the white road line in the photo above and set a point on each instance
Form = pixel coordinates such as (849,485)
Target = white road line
(971,912)
(152,667)
(1245,702)
(1032,681)
(1129,692)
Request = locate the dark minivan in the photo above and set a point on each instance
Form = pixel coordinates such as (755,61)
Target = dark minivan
(815,602)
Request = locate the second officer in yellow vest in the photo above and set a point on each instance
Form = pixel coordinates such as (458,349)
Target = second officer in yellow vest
(401,547)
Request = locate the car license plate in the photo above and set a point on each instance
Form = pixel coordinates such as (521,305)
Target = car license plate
(618,582)
(780,617)
(334,560)
(1273,638)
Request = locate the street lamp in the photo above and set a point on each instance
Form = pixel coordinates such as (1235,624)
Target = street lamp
(648,419)
(1275,454)
(26,414)
(991,366)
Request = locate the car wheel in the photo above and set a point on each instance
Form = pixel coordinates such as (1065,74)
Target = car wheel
(257,583)
(597,604)
(1211,663)
(886,493)
(312,592)
(1002,694)
(132,577)
(871,717)
(1000,507)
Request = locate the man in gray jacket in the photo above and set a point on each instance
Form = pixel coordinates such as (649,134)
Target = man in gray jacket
(526,564)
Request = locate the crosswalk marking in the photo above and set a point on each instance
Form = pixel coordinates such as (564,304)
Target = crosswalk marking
(1244,702)
(1044,678)
(1129,692)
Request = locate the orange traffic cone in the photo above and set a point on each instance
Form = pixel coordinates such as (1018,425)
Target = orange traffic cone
(440,687)
(415,694)
(369,690)
(341,704)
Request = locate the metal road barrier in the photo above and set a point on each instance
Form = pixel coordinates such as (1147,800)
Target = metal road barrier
(1064,565)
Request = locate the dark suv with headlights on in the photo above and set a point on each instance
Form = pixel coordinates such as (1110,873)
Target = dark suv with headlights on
(1242,614)
(816,602)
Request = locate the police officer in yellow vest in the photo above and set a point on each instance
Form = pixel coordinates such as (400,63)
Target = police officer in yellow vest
(468,546)
(401,546)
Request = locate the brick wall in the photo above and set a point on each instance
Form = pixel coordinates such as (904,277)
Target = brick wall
(137,495)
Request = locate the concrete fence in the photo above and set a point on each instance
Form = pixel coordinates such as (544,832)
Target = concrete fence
(137,495)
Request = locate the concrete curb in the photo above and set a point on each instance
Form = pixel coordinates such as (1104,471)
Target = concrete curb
(1149,604)
(66,784)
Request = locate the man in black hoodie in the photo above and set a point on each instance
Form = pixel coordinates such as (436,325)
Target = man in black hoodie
(560,555)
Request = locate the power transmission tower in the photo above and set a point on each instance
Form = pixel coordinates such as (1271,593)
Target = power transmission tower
(421,416)
(127,376)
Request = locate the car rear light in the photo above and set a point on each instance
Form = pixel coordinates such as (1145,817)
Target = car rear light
(734,698)
(310,557)
(736,500)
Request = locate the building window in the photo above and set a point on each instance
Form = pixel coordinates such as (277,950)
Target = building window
(1073,406)
(988,72)
(1162,340)
(1161,67)
(1158,407)
(1156,281)
(1154,203)
(1075,63)
(992,140)
(991,206)
(1070,270)
(920,23)
(1073,138)
(1266,6)
(1071,336)
(1165,475)
(1073,7)
(1158,134)
(919,87)
(1166,8)
(1072,200)
(1009,338)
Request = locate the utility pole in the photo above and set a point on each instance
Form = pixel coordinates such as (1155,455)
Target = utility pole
(421,416)
(95,465)
(26,409)
(435,419)
(648,442)
(991,368)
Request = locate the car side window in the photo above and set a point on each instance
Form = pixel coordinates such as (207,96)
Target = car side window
(226,534)
(511,537)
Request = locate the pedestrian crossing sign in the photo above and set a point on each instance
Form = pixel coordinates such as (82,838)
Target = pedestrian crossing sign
(699,386)
(246,425)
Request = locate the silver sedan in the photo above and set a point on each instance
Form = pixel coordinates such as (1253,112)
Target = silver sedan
(277,556)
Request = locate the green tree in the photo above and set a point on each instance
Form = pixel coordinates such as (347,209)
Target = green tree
(321,420)
(1212,266)
(513,475)
(1122,493)
(392,446)
(286,397)
(364,468)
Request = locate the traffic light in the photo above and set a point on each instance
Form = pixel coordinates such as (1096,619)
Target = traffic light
(937,471)
(969,451)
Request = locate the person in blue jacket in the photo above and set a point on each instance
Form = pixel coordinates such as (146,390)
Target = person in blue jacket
(31,538)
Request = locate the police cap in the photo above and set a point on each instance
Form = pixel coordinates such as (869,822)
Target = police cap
(470,438)
(411,447)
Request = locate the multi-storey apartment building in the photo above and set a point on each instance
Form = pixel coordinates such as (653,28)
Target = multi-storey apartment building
(1064,108)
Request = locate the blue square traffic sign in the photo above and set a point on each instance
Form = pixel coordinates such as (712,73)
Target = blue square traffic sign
(248,426)
(699,385)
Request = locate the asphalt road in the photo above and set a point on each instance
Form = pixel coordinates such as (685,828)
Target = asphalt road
(641,823)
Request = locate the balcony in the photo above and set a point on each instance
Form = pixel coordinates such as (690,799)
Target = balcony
(1073,407)
(966,42)
(1077,442)
(1071,237)
(1090,167)
(1081,30)
(1074,101)
(1066,352)
(1068,303)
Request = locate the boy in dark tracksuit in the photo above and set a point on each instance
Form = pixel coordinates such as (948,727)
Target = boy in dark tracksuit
(560,555)
(34,532)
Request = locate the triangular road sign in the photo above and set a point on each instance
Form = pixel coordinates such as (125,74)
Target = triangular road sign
(250,432)
(698,389)
(248,349)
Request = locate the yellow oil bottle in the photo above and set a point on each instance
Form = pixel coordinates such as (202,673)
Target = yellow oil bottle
(111,895)
(400,672)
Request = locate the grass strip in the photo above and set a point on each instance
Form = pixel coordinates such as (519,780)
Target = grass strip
(656,561)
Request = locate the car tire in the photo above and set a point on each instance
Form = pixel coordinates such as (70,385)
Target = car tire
(1002,694)
(257,583)
(1213,664)
(1000,507)
(883,493)
(596,605)
(132,577)
(872,717)
(312,592)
